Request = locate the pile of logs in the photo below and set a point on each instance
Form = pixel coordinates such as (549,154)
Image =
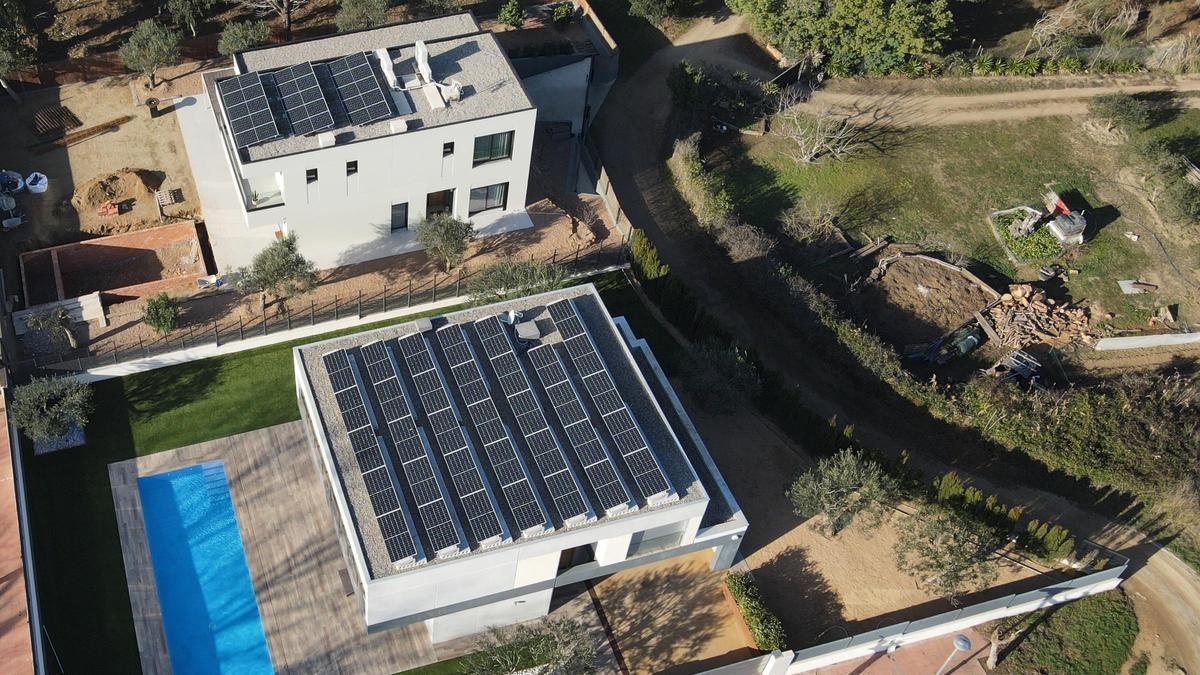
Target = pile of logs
(1024,316)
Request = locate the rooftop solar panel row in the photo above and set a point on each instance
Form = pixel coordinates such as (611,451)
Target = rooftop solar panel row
(359,89)
(507,465)
(376,474)
(246,110)
(628,436)
(478,504)
(306,106)
(593,456)
(427,491)
(547,455)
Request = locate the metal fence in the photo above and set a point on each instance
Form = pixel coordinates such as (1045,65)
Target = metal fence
(287,314)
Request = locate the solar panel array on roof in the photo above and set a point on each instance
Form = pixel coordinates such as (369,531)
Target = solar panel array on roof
(377,475)
(547,455)
(306,106)
(246,110)
(419,468)
(478,505)
(619,420)
(592,454)
(507,465)
(359,89)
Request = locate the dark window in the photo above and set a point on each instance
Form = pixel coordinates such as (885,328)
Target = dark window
(447,149)
(351,168)
(399,217)
(486,198)
(494,147)
(439,202)
(310,176)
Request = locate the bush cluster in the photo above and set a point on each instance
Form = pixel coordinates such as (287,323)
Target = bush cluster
(1179,196)
(764,625)
(704,190)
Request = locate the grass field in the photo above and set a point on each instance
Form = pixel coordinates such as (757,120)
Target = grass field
(935,187)
(1093,635)
(81,575)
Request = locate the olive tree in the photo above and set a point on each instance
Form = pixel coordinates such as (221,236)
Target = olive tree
(150,47)
(948,551)
(446,238)
(281,8)
(47,408)
(16,42)
(843,487)
(56,323)
(280,268)
(509,278)
(190,12)
(358,14)
(242,35)
(560,646)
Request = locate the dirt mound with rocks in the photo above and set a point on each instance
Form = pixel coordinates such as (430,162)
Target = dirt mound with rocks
(132,190)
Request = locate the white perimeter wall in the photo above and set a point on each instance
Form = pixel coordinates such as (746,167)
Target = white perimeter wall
(342,220)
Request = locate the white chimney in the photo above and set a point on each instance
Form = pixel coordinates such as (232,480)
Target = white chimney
(399,126)
(386,65)
(326,139)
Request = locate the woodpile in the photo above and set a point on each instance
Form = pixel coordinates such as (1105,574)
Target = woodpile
(1024,316)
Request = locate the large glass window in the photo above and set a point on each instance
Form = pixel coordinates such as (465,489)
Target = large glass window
(399,217)
(490,197)
(493,147)
(441,201)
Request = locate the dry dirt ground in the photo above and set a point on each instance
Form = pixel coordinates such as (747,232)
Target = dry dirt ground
(674,617)
(153,146)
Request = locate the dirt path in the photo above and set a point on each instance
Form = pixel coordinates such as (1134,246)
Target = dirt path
(909,109)
(633,145)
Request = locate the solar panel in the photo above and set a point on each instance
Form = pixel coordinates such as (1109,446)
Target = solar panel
(415,460)
(510,471)
(306,106)
(618,418)
(609,488)
(246,110)
(376,473)
(477,502)
(360,91)
(547,455)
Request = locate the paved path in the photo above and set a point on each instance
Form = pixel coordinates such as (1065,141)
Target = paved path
(631,135)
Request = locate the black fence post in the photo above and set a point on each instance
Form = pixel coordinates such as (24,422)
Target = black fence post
(336,311)
(458,285)
(435,287)
(216,333)
(359,303)
(143,346)
(241,330)
(576,254)
(409,301)
(554,257)
(312,312)
(385,297)
(288,312)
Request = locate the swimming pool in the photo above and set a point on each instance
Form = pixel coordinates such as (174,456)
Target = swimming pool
(209,609)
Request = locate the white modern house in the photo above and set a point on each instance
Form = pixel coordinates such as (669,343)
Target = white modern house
(477,461)
(351,140)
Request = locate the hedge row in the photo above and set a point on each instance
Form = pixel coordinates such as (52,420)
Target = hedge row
(765,626)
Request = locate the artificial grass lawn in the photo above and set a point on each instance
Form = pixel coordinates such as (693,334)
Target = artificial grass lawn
(935,187)
(81,576)
(1093,635)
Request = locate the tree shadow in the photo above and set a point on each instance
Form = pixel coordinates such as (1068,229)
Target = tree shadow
(801,595)
(1165,106)
(155,392)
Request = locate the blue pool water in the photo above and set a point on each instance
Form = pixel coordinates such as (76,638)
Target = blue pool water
(208,605)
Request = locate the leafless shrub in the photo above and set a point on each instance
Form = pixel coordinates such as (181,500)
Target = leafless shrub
(806,223)
(1180,54)
(744,242)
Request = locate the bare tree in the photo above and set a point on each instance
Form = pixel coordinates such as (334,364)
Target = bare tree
(1049,31)
(814,136)
(281,8)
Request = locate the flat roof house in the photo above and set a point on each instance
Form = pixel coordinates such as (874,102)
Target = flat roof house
(477,461)
(351,140)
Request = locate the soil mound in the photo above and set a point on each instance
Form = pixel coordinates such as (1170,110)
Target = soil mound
(132,190)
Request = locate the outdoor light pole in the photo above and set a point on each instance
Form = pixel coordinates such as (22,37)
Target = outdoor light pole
(962,643)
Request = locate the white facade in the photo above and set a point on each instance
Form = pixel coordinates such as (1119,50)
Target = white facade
(345,215)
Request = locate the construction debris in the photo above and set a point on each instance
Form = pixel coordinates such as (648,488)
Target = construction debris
(1136,286)
(1024,316)
(1015,365)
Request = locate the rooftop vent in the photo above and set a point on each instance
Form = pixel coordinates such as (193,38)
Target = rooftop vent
(422,56)
(423,325)
(528,331)
(326,139)
(386,65)
(399,126)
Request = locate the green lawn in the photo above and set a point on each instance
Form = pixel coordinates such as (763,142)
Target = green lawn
(81,576)
(936,186)
(1093,635)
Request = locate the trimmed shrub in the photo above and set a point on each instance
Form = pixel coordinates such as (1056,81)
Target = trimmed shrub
(765,626)
(161,313)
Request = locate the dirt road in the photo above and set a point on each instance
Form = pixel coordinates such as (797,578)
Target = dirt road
(922,109)
(631,131)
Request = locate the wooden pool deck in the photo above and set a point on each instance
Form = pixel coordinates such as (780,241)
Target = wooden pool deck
(287,529)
